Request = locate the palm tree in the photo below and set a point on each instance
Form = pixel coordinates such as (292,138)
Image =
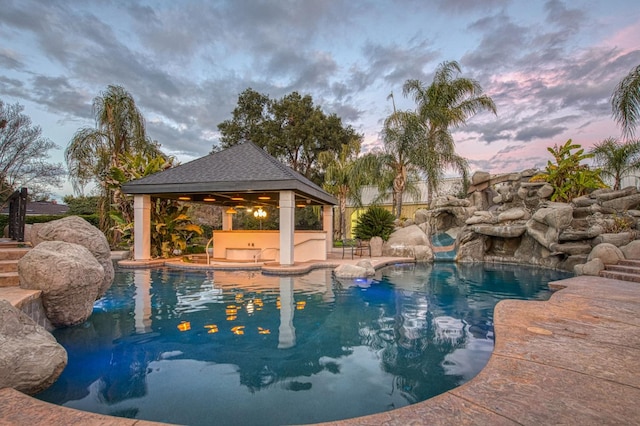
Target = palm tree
(625,102)
(617,160)
(345,175)
(94,151)
(448,102)
(403,146)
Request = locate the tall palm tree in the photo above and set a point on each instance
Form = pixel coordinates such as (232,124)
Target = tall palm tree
(448,102)
(617,160)
(345,175)
(625,102)
(397,163)
(92,152)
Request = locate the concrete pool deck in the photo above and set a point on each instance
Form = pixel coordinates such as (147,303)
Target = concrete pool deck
(574,359)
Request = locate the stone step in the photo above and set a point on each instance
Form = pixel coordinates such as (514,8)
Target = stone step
(7,244)
(623,276)
(629,269)
(630,262)
(13,253)
(9,279)
(8,266)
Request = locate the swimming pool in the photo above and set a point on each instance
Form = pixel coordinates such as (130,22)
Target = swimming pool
(245,348)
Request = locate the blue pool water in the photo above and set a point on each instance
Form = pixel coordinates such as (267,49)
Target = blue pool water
(243,348)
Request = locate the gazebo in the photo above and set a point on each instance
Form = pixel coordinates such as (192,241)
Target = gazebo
(242,175)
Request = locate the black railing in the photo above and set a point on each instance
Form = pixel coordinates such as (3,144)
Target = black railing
(17,212)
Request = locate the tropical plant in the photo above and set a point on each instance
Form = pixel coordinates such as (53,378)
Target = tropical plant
(568,176)
(93,152)
(617,160)
(448,102)
(375,222)
(397,164)
(625,102)
(171,227)
(345,175)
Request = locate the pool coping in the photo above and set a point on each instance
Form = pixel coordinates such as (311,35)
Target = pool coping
(570,360)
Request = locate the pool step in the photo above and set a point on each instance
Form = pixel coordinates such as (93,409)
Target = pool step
(625,270)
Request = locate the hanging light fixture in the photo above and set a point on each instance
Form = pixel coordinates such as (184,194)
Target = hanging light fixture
(231,210)
(184,198)
(260,215)
(208,199)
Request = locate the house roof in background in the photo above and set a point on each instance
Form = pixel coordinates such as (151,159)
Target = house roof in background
(42,208)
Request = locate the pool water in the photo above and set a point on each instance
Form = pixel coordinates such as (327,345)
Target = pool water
(244,348)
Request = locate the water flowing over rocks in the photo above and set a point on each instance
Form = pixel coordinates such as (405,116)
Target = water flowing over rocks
(30,358)
(508,218)
(69,277)
(74,229)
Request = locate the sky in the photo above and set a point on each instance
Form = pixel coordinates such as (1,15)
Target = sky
(550,66)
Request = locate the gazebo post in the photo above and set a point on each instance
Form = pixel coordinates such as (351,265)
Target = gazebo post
(142,227)
(327,225)
(287,226)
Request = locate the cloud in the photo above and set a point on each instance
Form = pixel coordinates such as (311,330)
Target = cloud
(395,64)
(9,59)
(468,6)
(539,132)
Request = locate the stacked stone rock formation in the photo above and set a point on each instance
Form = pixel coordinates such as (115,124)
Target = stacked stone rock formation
(508,218)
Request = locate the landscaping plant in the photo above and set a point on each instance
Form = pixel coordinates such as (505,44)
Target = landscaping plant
(375,222)
(568,177)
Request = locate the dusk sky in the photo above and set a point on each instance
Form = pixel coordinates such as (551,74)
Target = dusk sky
(550,67)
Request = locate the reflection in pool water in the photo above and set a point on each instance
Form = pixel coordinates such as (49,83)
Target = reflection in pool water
(245,348)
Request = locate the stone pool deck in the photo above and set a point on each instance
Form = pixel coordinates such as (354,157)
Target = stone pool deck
(574,359)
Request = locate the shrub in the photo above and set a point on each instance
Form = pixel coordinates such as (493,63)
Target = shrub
(568,177)
(375,222)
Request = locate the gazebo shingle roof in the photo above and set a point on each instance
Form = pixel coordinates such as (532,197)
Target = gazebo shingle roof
(241,168)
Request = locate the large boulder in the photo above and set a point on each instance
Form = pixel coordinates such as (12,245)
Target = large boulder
(68,276)
(421,216)
(481,216)
(423,253)
(592,267)
(504,231)
(631,250)
(617,239)
(514,213)
(556,215)
(352,271)
(608,253)
(368,266)
(545,235)
(624,203)
(30,358)
(74,229)
(375,244)
(409,236)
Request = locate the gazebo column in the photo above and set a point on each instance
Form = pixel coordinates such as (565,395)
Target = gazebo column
(227,221)
(142,227)
(327,225)
(287,226)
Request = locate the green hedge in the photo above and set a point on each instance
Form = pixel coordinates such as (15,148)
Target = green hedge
(4,219)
